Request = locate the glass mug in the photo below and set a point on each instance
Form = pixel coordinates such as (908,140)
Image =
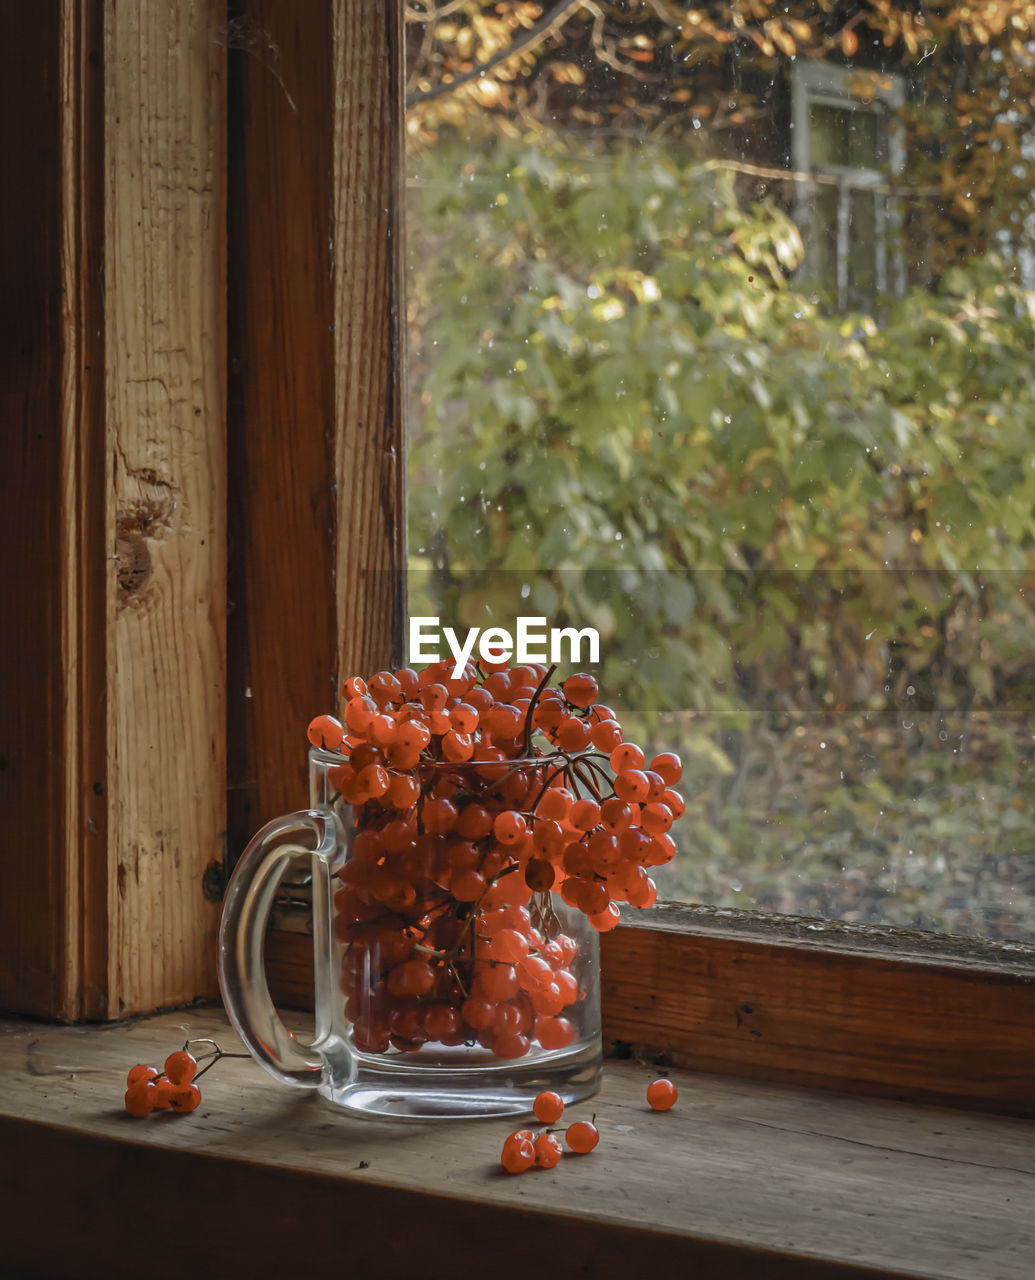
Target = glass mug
(420,1011)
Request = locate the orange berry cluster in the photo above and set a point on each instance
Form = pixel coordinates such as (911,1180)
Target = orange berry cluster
(176,1087)
(525,1148)
(148,1089)
(474,798)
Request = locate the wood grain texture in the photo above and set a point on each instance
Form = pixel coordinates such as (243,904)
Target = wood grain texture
(53,943)
(854,1020)
(370,457)
(864,1021)
(316,500)
(282,626)
(165,304)
(112,746)
(739,1180)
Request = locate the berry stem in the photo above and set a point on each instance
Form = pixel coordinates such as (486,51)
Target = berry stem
(588,781)
(590,760)
(546,783)
(532,704)
(430,951)
(459,980)
(202,1040)
(544,917)
(219,1053)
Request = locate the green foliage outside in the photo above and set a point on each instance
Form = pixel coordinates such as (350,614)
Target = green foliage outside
(792,528)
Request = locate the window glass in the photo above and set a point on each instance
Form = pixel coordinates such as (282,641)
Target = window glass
(720,329)
(844,137)
(828,249)
(865,231)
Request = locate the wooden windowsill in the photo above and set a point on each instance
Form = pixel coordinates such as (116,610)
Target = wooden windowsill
(741,1179)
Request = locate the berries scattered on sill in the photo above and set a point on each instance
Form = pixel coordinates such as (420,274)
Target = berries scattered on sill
(525,1149)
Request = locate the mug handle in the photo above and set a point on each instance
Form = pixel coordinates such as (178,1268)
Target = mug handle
(242,933)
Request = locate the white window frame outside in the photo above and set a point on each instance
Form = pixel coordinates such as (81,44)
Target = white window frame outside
(823,84)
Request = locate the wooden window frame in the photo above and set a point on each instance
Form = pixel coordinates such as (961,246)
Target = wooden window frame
(180,619)
(206,195)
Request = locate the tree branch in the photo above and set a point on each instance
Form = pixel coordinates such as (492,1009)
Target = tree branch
(545,27)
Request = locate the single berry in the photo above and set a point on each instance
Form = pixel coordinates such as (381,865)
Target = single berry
(581,690)
(140,1075)
(585,815)
(656,818)
(606,735)
(669,766)
(509,827)
(631,785)
(627,756)
(180,1067)
(141,1098)
(326,732)
(572,734)
(582,1136)
(185,1097)
(509,945)
(661,1094)
(554,1033)
(518,1153)
(606,920)
(355,687)
(540,874)
(548,1150)
(457,746)
(548,1108)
